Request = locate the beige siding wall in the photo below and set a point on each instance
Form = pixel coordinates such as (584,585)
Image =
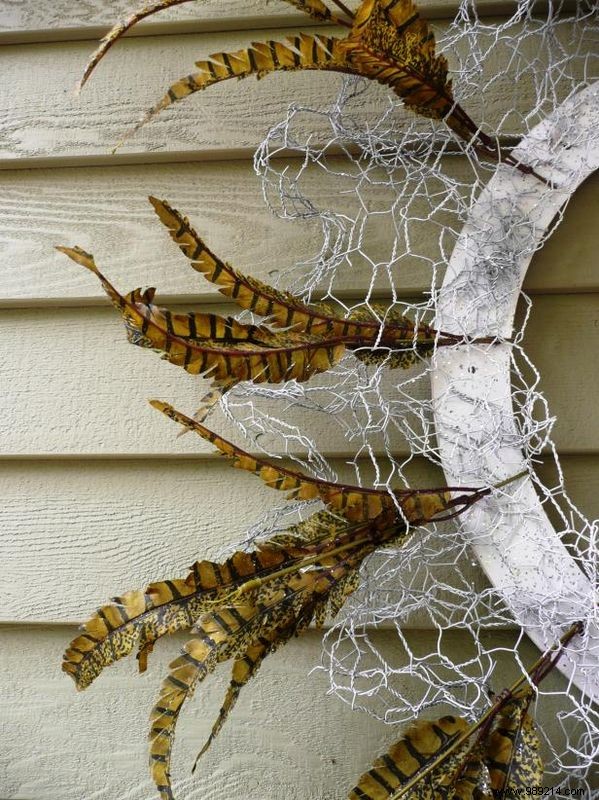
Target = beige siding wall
(97,494)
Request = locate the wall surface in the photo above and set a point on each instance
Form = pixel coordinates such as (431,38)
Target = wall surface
(97,493)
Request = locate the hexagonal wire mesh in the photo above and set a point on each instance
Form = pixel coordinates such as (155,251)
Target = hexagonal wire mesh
(403,189)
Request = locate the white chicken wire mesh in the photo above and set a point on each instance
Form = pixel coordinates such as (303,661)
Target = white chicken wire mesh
(405,188)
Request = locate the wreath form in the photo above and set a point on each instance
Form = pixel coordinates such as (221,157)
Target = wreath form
(566,146)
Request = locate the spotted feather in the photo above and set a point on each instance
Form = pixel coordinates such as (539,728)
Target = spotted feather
(139,618)
(284,607)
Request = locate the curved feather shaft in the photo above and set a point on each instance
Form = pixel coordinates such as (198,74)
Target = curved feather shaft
(229,351)
(355,503)
(388,43)
(281,308)
(119,30)
(391,44)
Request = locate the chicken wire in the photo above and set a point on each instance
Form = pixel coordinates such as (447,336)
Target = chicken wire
(402,189)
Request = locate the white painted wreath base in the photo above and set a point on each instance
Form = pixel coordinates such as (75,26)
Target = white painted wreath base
(512,537)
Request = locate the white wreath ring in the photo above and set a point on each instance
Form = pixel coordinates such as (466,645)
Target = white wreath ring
(471,386)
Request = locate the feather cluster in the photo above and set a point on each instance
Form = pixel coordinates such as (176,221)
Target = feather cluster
(447,759)
(252,603)
(388,42)
(294,342)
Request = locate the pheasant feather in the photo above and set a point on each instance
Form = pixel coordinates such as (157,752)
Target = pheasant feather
(450,759)
(500,763)
(362,329)
(139,618)
(283,607)
(295,53)
(222,348)
(246,607)
(355,503)
(229,352)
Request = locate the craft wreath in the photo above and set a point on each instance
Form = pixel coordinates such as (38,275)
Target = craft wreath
(443,377)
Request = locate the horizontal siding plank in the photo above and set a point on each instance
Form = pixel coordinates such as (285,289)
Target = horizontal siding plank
(75,386)
(87,531)
(42,122)
(93,745)
(48,21)
(561,338)
(106,212)
(21,22)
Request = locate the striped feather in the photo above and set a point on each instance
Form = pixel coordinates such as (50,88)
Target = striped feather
(451,759)
(222,348)
(388,43)
(391,44)
(496,756)
(136,619)
(354,503)
(301,52)
(281,308)
(313,8)
(318,10)
(139,618)
(361,330)
(229,351)
(422,742)
(245,666)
